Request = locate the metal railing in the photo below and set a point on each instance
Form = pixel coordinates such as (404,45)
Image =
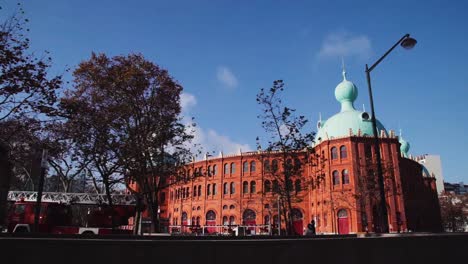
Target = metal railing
(237,230)
(75,198)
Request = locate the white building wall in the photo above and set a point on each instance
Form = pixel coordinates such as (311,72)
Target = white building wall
(434,165)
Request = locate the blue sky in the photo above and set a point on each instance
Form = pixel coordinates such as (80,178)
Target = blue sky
(223,52)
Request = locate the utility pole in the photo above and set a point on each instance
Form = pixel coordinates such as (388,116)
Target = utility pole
(40,189)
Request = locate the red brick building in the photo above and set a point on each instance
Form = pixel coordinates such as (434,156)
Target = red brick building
(238,189)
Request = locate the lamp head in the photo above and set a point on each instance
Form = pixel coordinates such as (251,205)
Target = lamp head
(408,43)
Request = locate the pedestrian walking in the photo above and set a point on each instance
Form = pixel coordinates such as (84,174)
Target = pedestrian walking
(311,229)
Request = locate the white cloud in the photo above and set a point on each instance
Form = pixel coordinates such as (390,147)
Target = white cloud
(284,130)
(187,101)
(212,141)
(342,44)
(208,139)
(226,77)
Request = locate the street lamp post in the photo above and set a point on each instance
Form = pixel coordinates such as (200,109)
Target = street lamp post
(406,42)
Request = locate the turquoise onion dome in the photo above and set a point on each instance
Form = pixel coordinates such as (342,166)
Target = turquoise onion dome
(346,93)
(349,120)
(404,146)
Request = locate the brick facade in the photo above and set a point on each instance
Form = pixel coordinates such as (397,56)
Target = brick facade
(233,192)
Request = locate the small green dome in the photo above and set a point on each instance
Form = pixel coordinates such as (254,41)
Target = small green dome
(404,147)
(348,120)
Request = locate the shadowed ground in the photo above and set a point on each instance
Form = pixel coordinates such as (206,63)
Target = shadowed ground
(414,248)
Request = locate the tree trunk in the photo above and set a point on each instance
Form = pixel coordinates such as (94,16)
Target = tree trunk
(289,226)
(153,208)
(5,171)
(285,216)
(111,204)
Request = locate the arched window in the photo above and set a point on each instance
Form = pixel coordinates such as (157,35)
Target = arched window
(297,164)
(274,165)
(209,170)
(184,216)
(232,220)
(245,167)
(345,176)
(289,164)
(225,207)
(210,215)
(225,188)
(267,186)
(253,187)
(208,189)
(334,153)
(336,177)
(342,213)
(266,165)
(198,221)
(199,190)
(297,184)
(194,191)
(215,190)
(193,221)
(252,166)
(296,214)
(225,220)
(343,152)
(233,168)
(226,169)
(368,151)
(233,188)
(289,185)
(249,215)
(275,186)
(187,192)
(215,170)
(232,207)
(198,208)
(267,220)
(275,220)
(245,187)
